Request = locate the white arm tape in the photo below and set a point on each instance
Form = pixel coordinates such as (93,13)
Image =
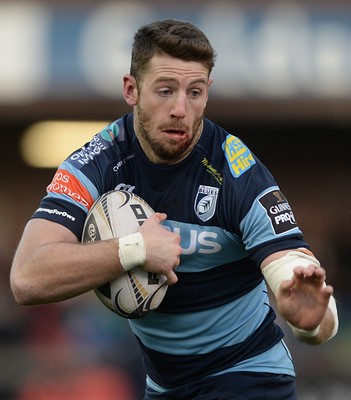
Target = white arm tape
(302,332)
(131,250)
(333,309)
(283,269)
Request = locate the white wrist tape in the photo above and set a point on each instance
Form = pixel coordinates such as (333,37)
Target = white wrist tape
(334,311)
(131,250)
(283,269)
(303,332)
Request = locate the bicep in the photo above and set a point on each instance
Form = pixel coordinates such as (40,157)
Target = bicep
(38,232)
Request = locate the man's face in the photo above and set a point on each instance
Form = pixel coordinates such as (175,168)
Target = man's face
(169,107)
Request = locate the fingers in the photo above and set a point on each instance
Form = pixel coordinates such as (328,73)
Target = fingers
(171,275)
(171,278)
(310,274)
(163,248)
(311,271)
(286,287)
(310,279)
(177,263)
(160,217)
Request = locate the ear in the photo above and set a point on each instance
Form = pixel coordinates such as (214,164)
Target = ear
(130,91)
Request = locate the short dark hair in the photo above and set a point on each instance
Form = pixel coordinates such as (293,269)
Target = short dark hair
(176,38)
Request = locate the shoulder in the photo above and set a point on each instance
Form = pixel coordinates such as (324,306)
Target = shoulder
(231,154)
(110,142)
(118,133)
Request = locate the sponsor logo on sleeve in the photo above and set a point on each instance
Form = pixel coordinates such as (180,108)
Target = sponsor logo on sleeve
(279,211)
(239,157)
(89,152)
(67,184)
(99,143)
(55,211)
(205,202)
(110,132)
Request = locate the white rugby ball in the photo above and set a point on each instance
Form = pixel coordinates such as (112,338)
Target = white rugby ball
(137,292)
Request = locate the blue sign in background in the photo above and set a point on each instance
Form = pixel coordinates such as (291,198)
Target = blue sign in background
(282,50)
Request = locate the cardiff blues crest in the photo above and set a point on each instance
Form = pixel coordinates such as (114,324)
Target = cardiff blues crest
(205,202)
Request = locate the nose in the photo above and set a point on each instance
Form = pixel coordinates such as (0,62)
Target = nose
(179,106)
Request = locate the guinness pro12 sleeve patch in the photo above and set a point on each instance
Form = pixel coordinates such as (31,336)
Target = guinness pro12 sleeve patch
(278,211)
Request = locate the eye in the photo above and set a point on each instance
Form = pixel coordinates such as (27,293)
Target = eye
(165,92)
(194,93)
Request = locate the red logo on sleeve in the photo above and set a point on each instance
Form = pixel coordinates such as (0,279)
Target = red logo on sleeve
(66,183)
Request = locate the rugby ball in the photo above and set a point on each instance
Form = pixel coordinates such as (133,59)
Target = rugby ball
(137,292)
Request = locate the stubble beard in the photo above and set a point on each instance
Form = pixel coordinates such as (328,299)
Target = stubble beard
(172,151)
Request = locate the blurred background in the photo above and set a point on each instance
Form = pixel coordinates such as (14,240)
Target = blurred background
(282,83)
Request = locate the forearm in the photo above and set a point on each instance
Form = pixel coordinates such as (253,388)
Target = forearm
(51,265)
(58,271)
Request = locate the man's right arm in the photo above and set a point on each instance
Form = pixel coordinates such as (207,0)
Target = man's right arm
(51,265)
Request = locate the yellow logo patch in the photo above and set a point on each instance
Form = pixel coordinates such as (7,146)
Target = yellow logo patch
(238,156)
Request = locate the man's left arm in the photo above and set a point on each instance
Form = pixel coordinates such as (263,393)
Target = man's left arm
(303,298)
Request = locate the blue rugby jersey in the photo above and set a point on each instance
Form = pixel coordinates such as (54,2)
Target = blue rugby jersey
(230,214)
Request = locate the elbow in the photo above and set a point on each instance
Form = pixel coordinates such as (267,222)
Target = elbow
(22,290)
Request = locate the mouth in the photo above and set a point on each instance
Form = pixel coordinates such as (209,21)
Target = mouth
(175,132)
